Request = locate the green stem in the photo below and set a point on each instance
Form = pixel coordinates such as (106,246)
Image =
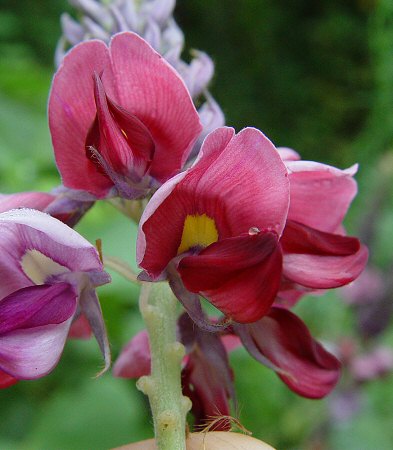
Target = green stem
(163,387)
(121,267)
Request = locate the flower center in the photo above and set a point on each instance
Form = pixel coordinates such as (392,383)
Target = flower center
(198,231)
(38,267)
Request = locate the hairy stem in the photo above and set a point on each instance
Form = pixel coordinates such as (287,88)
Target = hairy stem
(163,387)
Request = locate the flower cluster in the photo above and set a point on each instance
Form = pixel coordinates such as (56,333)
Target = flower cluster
(248,227)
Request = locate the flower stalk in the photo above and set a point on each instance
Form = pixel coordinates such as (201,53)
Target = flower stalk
(163,387)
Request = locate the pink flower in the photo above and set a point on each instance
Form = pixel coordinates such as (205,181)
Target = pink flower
(236,229)
(121,119)
(49,275)
(219,225)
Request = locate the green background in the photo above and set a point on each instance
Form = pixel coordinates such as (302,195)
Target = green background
(314,76)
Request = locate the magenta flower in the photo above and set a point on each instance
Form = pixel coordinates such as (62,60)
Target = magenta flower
(121,119)
(49,275)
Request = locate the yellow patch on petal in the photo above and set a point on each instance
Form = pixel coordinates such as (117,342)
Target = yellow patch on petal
(198,231)
(38,267)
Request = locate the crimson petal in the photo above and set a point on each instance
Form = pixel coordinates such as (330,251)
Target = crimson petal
(207,377)
(284,339)
(324,271)
(121,138)
(240,276)
(299,238)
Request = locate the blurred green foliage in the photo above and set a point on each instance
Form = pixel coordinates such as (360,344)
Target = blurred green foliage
(315,76)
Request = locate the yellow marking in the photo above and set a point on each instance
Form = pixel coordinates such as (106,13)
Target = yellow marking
(124,133)
(38,267)
(198,231)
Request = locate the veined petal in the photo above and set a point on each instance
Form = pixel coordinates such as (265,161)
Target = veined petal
(240,276)
(324,271)
(320,194)
(247,176)
(155,93)
(72,110)
(284,339)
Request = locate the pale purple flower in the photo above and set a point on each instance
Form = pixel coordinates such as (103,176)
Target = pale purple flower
(49,274)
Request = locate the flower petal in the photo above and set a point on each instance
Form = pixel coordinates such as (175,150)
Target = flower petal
(120,137)
(6,380)
(288,154)
(192,303)
(90,307)
(35,230)
(284,339)
(320,194)
(299,238)
(34,200)
(35,306)
(80,328)
(324,271)
(34,327)
(72,110)
(134,360)
(240,276)
(32,353)
(207,377)
(156,94)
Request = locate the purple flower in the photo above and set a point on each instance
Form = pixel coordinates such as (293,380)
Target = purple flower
(49,274)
